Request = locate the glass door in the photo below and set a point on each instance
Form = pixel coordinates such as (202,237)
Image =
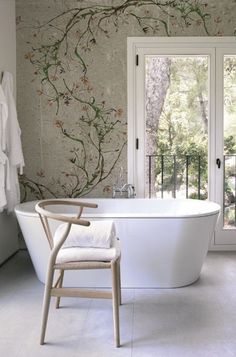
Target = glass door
(176,126)
(173,122)
(226,146)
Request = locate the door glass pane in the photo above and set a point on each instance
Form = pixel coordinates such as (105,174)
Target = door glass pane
(176,115)
(229,141)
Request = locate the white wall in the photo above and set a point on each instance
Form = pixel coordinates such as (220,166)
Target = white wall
(8,225)
(8,36)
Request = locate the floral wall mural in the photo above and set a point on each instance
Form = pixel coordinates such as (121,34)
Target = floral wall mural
(71,83)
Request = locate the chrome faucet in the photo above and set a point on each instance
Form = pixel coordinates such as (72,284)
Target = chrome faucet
(126,191)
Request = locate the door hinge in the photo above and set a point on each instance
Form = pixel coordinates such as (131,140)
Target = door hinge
(137,144)
(136,60)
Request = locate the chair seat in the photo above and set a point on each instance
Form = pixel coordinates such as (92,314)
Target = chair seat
(75,254)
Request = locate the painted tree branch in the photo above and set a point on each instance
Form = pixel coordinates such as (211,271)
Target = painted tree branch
(99,121)
(47,57)
(39,190)
(50,58)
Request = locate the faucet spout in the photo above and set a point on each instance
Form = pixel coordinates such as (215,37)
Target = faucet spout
(125,187)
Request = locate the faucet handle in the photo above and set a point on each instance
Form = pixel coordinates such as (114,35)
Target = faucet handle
(133,191)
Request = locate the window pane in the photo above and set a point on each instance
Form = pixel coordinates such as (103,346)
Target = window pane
(176,140)
(229,141)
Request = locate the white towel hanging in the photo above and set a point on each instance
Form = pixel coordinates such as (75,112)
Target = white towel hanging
(13,132)
(10,143)
(3,119)
(4,163)
(4,180)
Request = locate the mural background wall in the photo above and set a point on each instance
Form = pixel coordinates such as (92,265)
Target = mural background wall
(72,80)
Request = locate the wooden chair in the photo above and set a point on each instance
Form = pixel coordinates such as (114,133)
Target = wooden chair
(57,289)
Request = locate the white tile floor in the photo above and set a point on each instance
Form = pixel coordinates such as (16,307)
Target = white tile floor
(198,320)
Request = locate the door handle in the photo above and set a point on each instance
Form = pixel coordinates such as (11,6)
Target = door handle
(218,163)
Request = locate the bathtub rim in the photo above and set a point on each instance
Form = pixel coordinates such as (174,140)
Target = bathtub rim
(214,208)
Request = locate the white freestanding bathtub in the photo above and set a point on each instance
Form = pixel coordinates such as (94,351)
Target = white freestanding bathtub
(163,242)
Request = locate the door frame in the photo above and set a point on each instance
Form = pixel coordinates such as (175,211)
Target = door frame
(136,48)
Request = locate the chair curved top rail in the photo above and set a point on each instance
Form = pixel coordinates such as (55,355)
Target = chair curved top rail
(66,201)
(40,208)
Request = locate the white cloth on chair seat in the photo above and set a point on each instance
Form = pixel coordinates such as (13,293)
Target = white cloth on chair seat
(75,254)
(98,235)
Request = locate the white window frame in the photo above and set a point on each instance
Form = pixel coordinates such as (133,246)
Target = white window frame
(168,45)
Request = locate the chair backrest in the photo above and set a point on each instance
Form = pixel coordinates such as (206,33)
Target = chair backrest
(46,214)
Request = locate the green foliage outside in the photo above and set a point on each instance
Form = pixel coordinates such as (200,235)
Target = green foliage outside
(183,127)
(229,139)
(183,131)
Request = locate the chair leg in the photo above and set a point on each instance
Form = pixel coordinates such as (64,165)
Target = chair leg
(46,302)
(119,283)
(115,304)
(59,286)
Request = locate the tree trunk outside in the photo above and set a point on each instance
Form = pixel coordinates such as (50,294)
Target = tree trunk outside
(157,84)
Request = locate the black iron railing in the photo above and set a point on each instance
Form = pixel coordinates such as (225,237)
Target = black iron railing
(187,175)
(177,172)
